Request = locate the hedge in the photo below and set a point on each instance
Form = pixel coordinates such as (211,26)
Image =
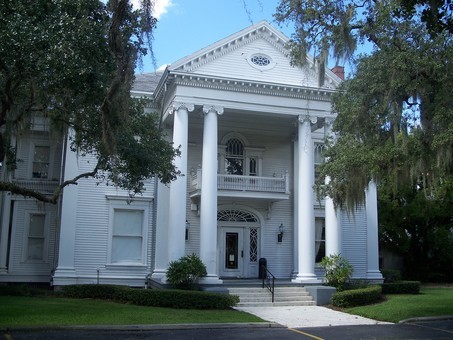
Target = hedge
(170,298)
(357,297)
(391,275)
(401,287)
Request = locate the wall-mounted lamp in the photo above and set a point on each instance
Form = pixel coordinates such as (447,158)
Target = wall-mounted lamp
(280,233)
(187,230)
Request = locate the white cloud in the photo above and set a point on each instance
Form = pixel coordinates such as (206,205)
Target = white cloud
(160,7)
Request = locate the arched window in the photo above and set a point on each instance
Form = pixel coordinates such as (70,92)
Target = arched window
(234,157)
(236,216)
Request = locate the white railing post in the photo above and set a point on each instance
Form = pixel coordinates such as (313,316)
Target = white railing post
(286,182)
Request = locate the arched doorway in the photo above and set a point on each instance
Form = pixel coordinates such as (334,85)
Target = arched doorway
(238,240)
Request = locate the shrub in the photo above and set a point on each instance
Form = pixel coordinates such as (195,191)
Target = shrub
(357,297)
(185,272)
(23,290)
(15,290)
(356,284)
(93,291)
(401,287)
(169,298)
(391,275)
(338,271)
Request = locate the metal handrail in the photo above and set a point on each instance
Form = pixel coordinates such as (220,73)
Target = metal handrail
(270,285)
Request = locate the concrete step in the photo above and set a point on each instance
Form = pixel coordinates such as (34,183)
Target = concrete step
(261,297)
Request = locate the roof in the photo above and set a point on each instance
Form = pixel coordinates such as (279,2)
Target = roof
(146,82)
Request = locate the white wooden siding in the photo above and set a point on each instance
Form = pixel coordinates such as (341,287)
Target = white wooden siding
(19,265)
(92,232)
(354,228)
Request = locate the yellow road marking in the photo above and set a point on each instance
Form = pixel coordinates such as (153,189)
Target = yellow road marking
(306,334)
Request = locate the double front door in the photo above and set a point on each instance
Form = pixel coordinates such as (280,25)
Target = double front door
(238,256)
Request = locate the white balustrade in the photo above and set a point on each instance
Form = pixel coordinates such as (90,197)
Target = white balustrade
(245,183)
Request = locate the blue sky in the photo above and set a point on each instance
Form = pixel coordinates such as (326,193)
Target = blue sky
(186,26)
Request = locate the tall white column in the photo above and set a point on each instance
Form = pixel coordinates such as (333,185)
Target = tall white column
(296,207)
(333,224)
(65,272)
(161,238)
(178,188)
(5,216)
(208,203)
(5,209)
(373,272)
(306,215)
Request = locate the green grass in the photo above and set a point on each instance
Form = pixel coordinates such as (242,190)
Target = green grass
(52,311)
(430,302)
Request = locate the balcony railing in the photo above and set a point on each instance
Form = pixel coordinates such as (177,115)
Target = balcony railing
(43,186)
(252,183)
(245,183)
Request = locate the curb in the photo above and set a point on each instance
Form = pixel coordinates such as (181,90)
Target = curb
(142,327)
(428,318)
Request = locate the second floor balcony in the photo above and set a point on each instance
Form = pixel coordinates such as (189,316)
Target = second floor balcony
(46,187)
(236,186)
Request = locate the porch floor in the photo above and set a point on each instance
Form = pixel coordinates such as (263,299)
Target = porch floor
(233,282)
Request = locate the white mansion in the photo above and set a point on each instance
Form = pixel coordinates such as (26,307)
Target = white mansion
(251,128)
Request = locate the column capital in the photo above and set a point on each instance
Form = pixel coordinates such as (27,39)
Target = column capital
(175,106)
(307,118)
(216,109)
(328,122)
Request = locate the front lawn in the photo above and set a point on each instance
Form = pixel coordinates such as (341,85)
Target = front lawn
(16,311)
(430,302)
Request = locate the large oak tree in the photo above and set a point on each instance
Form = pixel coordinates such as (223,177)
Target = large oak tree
(73,62)
(394,113)
(394,117)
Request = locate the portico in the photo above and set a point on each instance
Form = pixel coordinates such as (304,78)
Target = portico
(247,149)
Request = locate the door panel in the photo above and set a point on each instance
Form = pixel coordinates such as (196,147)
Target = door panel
(232,252)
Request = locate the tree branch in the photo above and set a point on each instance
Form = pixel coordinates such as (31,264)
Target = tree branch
(53,199)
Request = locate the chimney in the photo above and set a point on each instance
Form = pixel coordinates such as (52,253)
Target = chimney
(339,71)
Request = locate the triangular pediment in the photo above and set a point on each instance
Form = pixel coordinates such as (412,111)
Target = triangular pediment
(257,53)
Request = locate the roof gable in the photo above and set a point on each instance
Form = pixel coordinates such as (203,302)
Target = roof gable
(238,57)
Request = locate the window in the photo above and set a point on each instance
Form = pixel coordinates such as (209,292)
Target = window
(234,157)
(127,236)
(36,237)
(253,245)
(260,60)
(252,166)
(41,160)
(318,158)
(320,236)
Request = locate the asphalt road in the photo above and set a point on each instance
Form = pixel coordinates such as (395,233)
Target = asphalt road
(434,329)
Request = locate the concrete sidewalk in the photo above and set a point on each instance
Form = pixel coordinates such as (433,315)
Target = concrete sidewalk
(308,316)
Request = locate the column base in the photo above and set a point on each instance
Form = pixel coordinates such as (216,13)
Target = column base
(64,276)
(306,278)
(374,275)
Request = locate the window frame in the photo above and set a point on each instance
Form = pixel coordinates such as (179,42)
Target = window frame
(51,147)
(249,153)
(45,237)
(143,207)
(260,54)
(318,148)
(322,239)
